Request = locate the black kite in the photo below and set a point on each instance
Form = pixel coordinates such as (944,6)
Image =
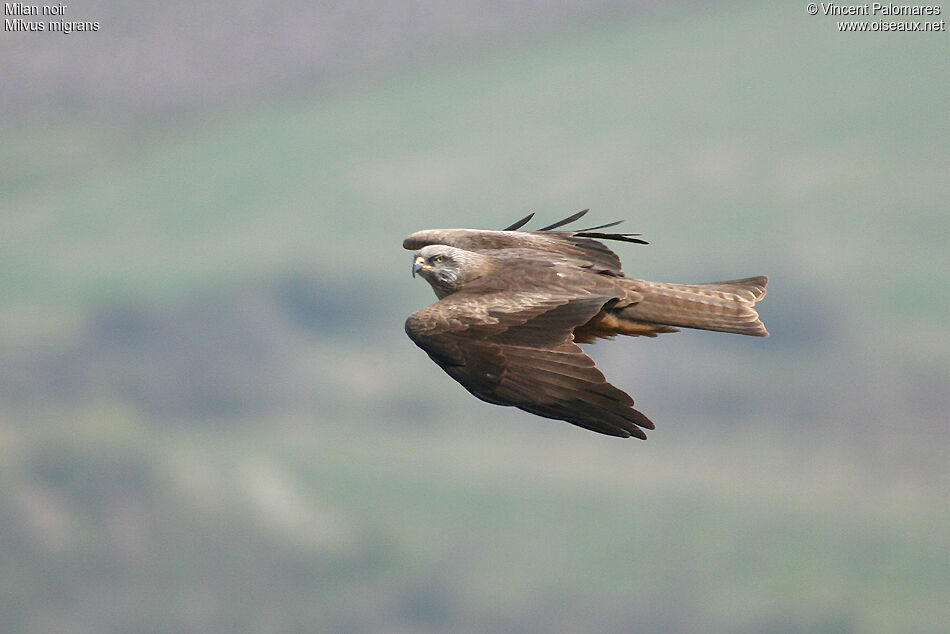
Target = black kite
(513,305)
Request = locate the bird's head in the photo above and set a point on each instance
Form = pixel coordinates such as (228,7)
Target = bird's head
(447,268)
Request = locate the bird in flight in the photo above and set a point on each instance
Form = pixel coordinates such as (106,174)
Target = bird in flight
(513,305)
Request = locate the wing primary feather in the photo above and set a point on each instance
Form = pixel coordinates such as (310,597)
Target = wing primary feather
(520,223)
(609,224)
(568,220)
(619,237)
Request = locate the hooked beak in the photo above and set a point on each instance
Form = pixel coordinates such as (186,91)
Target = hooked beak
(418,265)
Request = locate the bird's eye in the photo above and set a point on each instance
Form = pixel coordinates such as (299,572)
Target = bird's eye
(438,259)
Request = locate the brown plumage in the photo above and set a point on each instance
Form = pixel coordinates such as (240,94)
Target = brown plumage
(514,304)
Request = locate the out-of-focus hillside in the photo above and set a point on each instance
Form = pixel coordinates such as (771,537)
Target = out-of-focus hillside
(210,419)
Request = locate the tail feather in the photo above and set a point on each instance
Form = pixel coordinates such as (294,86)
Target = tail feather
(751,289)
(720,306)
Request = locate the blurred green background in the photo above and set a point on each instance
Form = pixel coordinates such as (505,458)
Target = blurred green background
(211,420)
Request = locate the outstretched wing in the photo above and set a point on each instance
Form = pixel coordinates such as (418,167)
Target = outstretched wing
(581,246)
(584,252)
(517,349)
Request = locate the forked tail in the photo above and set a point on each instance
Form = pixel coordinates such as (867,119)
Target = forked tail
(720,306)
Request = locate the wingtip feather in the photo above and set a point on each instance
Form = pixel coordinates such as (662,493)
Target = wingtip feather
(568,220)
(520,223)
